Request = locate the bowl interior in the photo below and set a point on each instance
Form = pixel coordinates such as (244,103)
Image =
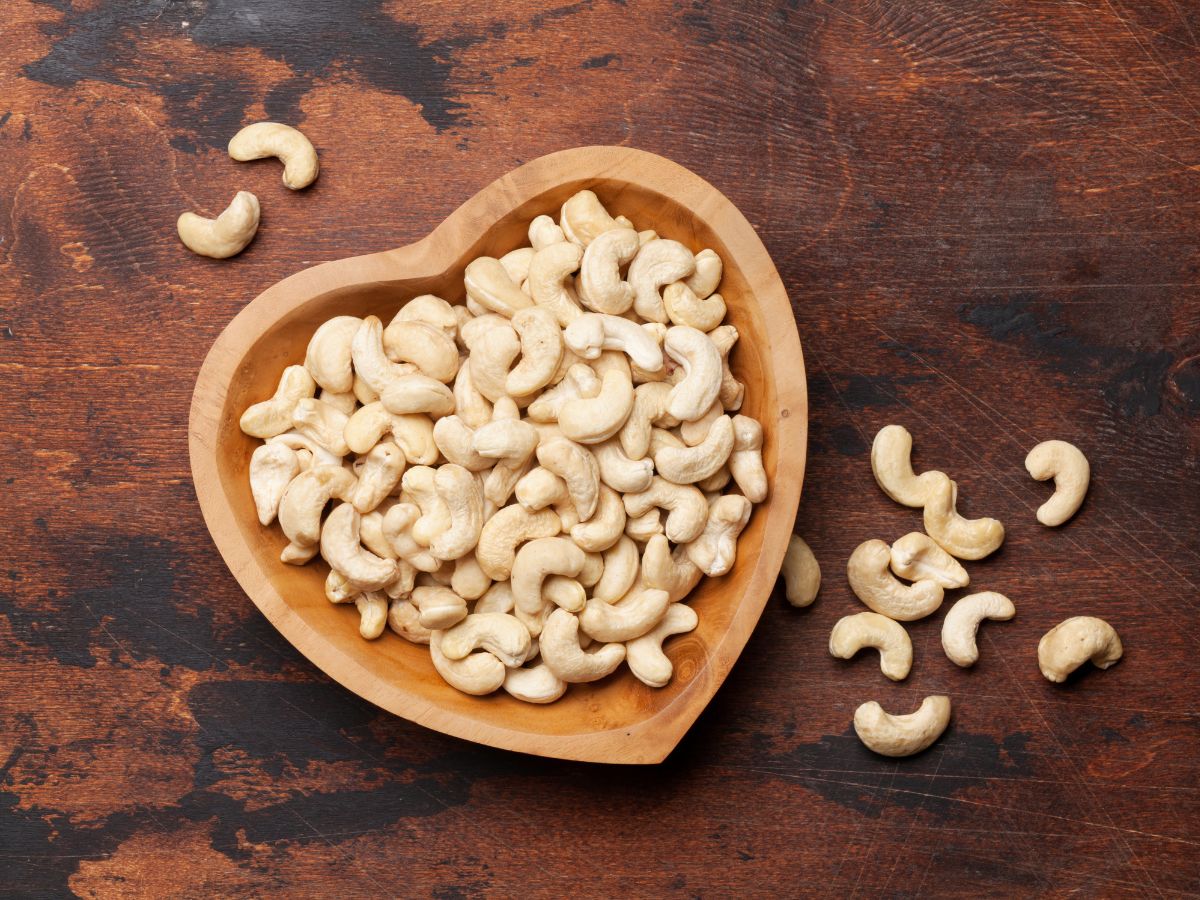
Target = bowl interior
(404,669)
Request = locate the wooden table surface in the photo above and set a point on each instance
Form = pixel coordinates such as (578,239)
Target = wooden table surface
(986,216)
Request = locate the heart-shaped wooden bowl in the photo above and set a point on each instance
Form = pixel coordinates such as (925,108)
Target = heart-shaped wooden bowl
(617,720)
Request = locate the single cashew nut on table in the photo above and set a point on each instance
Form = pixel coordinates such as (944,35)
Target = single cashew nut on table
(498,633)
(272,468)
(891,462)
(288,145)
(273,417)
(962,622)
(874,585)
(917,556)
(1069,468)
(715,550)
(328,357)
(658,263)
(868,629)
(225,236)
(600,286)
(342,549)
(1069,644)
(964,538)
(801,573)
(559,646)
(647,661)
(890,735)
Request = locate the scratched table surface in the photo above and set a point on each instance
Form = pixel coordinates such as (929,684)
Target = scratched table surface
(985,214)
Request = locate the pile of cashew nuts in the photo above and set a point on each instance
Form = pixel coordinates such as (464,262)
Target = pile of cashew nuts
(529,483)
(930,563)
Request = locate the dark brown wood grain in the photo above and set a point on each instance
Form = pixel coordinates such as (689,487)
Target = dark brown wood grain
(986,217)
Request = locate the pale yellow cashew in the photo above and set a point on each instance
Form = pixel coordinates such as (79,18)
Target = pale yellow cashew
(382,469)
(867,629)
(647,661)
(684,307)
(801,573)
(342,549)
(370,532)
(540,488)
(344,403)
(412,394)
(541,350)
(456,440)
(583,218)
(1069,644)
(964,538)
(874,585)
(670,570)
(606,525)
(594,419)
(372,614)
(397,528)
(404,619)
(560,650)
(273,417)
(627,619)
(305,446)
(492,355)
(687,509)
(328,357)
(535,684)
(890,735)
(414,435)
(469,404)
(338,589)
(695,431)
(600,286)
(462,494)
(287,144)
(272,468)
(324,424)
(363,392)
(550,281)
(745,462)
(497,598)
(488,285)
(962,622)
(469,580)
(505,531)
(701,362)
(715,550)
(438,606)
(891,462)
(305,498)
(620,472)
(480,673)
(657,263)
(580,380)
(429,309)
(649,409)
(642,528)
(575,465)
(707,276)
(537,560)
(542,233)
(419,486)
(732,391)
(371,364)
(620,570)
(427,346)
(225,236)
(497,633)
(592,333)
(1069,468)
(916,556)
(687,465)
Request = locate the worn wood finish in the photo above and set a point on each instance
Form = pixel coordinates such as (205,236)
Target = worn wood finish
(985,215)
(618,719)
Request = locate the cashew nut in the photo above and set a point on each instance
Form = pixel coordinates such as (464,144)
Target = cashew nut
(591,333)
(505,531)
(414,435)
(272,468)
(964,538)
(629,618)
(594,419)
(370,532)
(541,350)
(916,556)
(498,633)
(890,461)
(305,498)
(427,346)
(642,528)
(620,570)
(463,496)
(369,360)
(715,550)
(649,408)
(542,233)
(701,362)
(580,381)
(338,589)
(470,405)
(381,471)
(535,561)
(606,525)
(600,286)
(670,570)
(645,655)
(687,465)
(707,276)
(583,218)
(273,417)
(439,607)
(559,644)
(404,619)
(341,548)
(685,307)
(431,310)
(620,472)
(456,440)
(469,581)
(890,735)
(575,465)
(417,393)
(317,455)
(801,573)
(497,598)
(550,281)
(1069,644)
(1069,468)
(397,528)
(868,629)
(687,509)
(535,684)
(343,403)
(962,622)
(657,263)
(745,462)
(289,146)
(328,357)
(695,431)
(732,391)
(492,355)
(478,674)
(488,285)
(373,612)
(225,236)
(875,586)
(322,423)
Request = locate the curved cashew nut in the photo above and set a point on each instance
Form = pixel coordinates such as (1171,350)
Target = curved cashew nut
(382,469)
(541,350)
(550,281)
(649,408)
(273,417)
(419,485)
(438,606)
(600,286)
(591,333)
(1069,644)
(470,405)
(492,355)
(627,619)
(478,674)
(225,236)
(342,549)
(745,462)
(701,362)
(868,629)
(397,529)
(890,461)
(580,381)
(801,573)
(343,403)
(410,394)
(404,619)
(686,507)
(370,362)
(560,650)
(511,443)
(707,276)
(272,468)
(363,392)
(543,232)
(695,431)
(429,309)
(338,589)
(605,527)
(962,622)
(414,435)
(535,561)
(591,420)
(463,496)
(657,263)
(540,488)
(964,538)
(469,581)
(642,528)
(890,735)
(1069,468)
(427,346)
(304,500)
(916,556)
(370,533)
(288,145)
(687,465)
(536,684)
(685,307)
(620,570)
(488,284)
(671,571)
(645,654)
(516,263)
(503,532)
(715,551)
(497,598)
(732,391)
(575,465)
(875,586)
(716,482)
(317,455)
(328,357)
(583,218)
(323,423)
(498,633)
(456,440)
(620,472)
(372,614)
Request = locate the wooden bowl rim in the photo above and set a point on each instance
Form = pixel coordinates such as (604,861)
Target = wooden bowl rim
(649,740)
